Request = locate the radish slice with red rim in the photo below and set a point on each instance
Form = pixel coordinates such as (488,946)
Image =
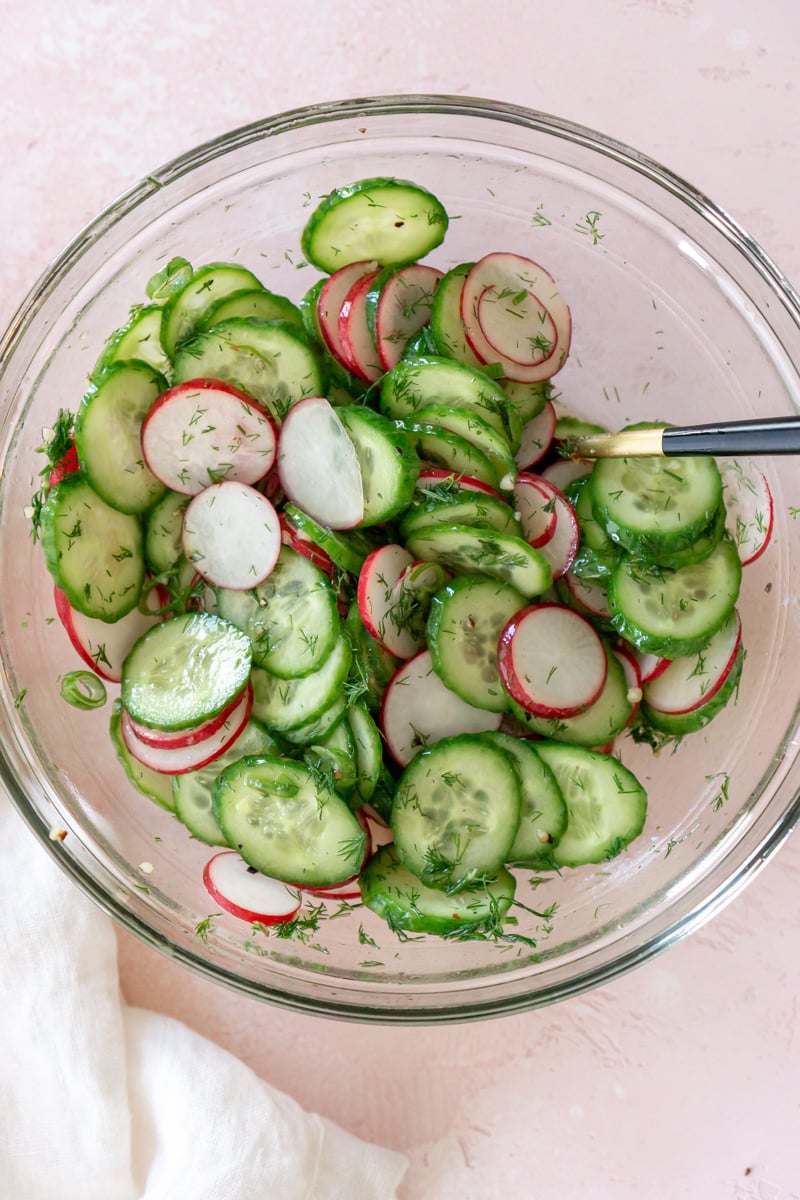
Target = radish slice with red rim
(202,431)
(561,546)
(354,334)
(332,296)
(231,534)
(103,646)
(522,299)
(590,594)
(552,661)
(379,605)
(404,307)
(178,738)
(295,539)
(564,471)
(630,667)
(430,477)
(318,465)
(536,508)
(246,893)
(417,710)
(749,507)
(690,682)
(179,760)
(68,464)
(650,665)
(537,438)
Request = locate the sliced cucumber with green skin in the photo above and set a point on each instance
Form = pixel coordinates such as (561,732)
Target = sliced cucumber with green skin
(368,750)
(193,792)
(319,726)
(681,724)
(450,451)
(528,399)
(153,784)
(390,221)
(93,552)
(417,382)
(252,302)
(606,804)
(598,725)
(287,704)
(597,554)
(673,613)
(187,307)
(422,343)
(456,812)
(389,889)
(285,823)
(291,618)
(543,816)
(655,506)
(372,666)
(346,550)
(333,755)
(139,339)
(382,798)
(446,323)
(162,532)
(269,360)
(389,465)
(184,671)
(475,430)
(701,547)
(482,551)
(480,511)
(108,436)
(466,619)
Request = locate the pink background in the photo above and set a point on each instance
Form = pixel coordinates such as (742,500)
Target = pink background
(682,1079)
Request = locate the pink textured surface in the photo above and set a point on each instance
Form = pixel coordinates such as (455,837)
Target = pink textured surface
(680,1080)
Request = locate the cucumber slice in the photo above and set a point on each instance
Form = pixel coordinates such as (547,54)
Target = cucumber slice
(475,430)
(674,613)
(368,750)
(108,436)
(333,755)
(389,889)
(93,552)
(162,532)
(286,823)
(543,816)
(288,704)
(446,323)
(598,725)
(456,811)
(153,784)
(480,511)
(317,727)
(193,792)
(139,339)
(252,302)
(187,307)
(417,382)
(528,399)
(184,671)
(389,466)
(372,666)
(346,550)
(269,360)
(450,451)
(484,552)
(290,618)
(390,221)
(466,620)
(597,554)
(606,804)
(655,506)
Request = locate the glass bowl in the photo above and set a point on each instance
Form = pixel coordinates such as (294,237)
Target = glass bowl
(678,315)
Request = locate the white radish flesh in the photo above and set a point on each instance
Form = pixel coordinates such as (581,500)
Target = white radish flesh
(560,548)
(378,601)
(202,431)
(431,477)
(552,661)
(354,335)
(749,507)
(246,893)
(536,510)
(329,304)
(231,535)
(690,682)
(179,760)
(318,465)
(537,437)
(404,306)
(176,739)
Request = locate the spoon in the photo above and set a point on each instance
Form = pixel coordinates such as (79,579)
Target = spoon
(767,435)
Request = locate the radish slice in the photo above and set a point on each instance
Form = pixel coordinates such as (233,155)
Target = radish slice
(435,476)
(537,437)
(68,464)
(650,665)
(101,645)
(404,306)
(318,465)
(590,594)
(329,304)
(202,431)
(630,667)
(295,539)
(179,760)
(354,335)
(536,508)
(246,893)
(380,604)
(417,710)
(552,661)
(561,546)
(564,471)
(176,739)
(232,535)
(520,301)
(749,506)
(690,682)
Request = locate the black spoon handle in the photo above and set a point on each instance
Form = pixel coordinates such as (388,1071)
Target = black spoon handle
(768,435)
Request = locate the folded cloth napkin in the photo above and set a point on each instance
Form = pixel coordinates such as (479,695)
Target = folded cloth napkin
(101,1101)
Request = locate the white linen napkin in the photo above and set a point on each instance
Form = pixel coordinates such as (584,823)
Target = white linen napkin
(101,1101)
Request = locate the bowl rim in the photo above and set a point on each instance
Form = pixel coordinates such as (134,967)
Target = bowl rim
(700,910)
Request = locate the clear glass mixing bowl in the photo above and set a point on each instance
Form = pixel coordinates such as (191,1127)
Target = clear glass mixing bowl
(678,315)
